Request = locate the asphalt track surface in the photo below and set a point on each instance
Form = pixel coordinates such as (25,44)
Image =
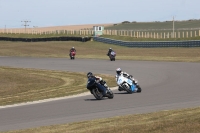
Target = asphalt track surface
(165,86)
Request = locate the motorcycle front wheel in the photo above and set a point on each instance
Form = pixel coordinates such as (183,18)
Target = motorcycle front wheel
(111,95)
(127,88)
(139,89)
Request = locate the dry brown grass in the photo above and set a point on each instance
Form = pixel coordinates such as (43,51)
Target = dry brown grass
(178,121)
(25,85)
(97,50)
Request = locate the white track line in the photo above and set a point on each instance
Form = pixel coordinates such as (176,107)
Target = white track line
(49,100)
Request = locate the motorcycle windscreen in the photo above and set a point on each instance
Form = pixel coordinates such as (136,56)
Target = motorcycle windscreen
(133,87)
(113,53)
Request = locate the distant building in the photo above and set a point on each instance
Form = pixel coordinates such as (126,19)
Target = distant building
(98,30)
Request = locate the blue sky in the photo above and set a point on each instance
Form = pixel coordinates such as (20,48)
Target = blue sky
(43,13)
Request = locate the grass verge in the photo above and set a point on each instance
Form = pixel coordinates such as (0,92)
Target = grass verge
(177,121)
(25,85)
(97,50)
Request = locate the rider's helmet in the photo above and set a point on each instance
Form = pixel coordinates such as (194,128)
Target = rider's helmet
(110,49)
(73,48)
(118,70)
(89,74)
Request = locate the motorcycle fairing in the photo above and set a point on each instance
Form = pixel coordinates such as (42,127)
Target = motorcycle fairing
(133,87)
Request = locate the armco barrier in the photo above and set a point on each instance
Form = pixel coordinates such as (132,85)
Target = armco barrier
(81,39)
(150,44)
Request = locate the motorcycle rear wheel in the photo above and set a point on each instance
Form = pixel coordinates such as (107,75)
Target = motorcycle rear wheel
(98,95)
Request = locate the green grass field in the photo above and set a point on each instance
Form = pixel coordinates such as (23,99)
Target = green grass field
(194,24)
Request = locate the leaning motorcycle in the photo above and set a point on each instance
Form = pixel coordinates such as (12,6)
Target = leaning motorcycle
(72,55)
(112,56)
(98,94)
(128,84)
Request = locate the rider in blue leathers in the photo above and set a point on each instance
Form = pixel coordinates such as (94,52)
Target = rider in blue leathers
(100,83)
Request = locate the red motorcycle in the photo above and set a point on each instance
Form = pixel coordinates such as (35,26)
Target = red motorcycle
(72,55)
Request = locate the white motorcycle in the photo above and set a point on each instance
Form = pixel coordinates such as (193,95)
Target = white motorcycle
(128,84)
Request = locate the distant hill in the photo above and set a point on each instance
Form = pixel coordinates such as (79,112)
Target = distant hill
(178,25)
(67,27)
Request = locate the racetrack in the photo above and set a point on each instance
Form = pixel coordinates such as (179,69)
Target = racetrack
(166,85)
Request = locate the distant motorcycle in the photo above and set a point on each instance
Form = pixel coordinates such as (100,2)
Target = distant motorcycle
(128,85)
(96,92)
(112,56)
(72,55)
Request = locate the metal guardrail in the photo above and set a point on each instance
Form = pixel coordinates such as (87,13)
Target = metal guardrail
(149,44)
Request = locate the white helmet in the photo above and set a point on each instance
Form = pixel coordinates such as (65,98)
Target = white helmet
(118,70)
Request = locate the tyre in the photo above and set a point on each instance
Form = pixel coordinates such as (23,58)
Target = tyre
(139,89)
(127,88)
(111,95)
(97,94)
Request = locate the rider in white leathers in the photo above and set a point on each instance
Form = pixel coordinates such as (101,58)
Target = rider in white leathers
(119,73)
